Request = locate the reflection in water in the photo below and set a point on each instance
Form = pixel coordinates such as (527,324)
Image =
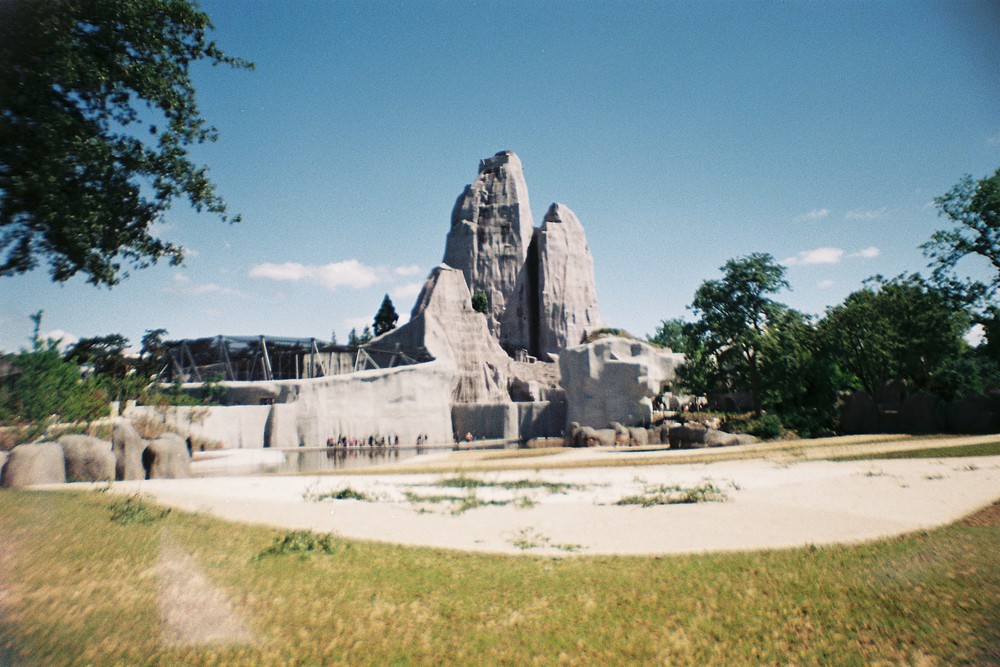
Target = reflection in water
(315,459)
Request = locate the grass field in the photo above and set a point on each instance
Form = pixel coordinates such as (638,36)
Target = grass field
(77,587)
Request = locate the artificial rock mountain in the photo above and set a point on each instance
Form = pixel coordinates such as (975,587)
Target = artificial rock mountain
(539,281)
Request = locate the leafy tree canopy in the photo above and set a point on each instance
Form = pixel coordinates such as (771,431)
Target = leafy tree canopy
(386,317)
(97,113)
(735,312)
(480,302)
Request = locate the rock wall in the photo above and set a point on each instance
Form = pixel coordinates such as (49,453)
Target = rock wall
(568,296)
(614,380)
(444,323)
(491,229)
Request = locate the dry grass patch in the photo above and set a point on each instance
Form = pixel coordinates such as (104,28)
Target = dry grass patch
(84,591)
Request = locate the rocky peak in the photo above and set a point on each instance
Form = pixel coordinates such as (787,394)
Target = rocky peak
(491,229)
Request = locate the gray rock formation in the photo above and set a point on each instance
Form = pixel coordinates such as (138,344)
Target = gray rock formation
(973,414)
(920,413)
(167,458)
(615,379)
(127,445)
(491,229)
(859,414)
(444,322)
(37,463)
(88,459)
(3,461)
(568,296)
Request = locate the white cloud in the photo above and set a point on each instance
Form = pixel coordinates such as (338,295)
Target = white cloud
(815,214)
(411,270)
(349,273)
(825,284)
(863,214)
(62,338)
(976,335)
(825,255)
(870,252)
(184,288)
(406,292)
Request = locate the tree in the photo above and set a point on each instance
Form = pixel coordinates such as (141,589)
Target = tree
(97,114)
(735,312)
(480,302)
(904,328)
(670,334)
(44,384)
(974,208)
(333,338)
(352,337)
(366,336)
(386,317)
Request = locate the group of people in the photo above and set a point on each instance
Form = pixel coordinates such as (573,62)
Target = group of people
(372,441)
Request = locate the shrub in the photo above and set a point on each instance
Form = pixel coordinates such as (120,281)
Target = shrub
(305,543)
(767,427)
(135,510)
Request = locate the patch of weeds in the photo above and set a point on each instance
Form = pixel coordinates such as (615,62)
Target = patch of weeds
(134,509)
(970,467)
(463,482)
(471,502)
(662,494)
(418,498)
(305,543)
(933,477)
(528,538)
(524,503)
(874,473)
(346,493)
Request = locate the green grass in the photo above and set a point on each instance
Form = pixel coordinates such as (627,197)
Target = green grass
(463,482)
(346,493)
(985,449)
(77,588)
(662,494)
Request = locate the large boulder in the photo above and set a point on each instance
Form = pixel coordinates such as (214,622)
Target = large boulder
(637,437)
(491,229)
(127,446)
(3,460)
(585,436)
(88,459)
(37,463)
(687,436)
(568,295)
(167,458)
(615,379)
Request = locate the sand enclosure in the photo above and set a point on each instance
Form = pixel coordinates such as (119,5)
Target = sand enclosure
(738,505)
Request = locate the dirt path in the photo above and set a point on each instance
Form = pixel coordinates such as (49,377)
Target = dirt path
(195,611)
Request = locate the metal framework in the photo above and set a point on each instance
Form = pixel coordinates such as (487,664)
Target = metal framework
(261,358)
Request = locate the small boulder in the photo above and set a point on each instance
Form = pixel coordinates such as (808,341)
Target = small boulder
(3,461)
(167,458)
(637,437)
(88,459)
(653,436)
(622,436)
(687,436)
(127,446)
(37,463)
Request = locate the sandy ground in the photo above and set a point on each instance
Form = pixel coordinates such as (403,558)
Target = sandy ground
(767,504)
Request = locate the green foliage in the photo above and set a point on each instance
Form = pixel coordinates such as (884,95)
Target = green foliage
(303,543)
(354,339)
(346,493)
(45,384)
(974,209)
(97,115)
(480,302)
(735,312)
(670,334)
(134,509)
(902,328)
(386,317)
(765,427)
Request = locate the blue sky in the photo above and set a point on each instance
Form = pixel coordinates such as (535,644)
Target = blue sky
(681,134)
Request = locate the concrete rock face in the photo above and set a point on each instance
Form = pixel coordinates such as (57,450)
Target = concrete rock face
(127,445)
(38,463)
(444,322)
(167,458)
(87,459)
(540,282)
(568,296)
(615,380)
(491,229)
